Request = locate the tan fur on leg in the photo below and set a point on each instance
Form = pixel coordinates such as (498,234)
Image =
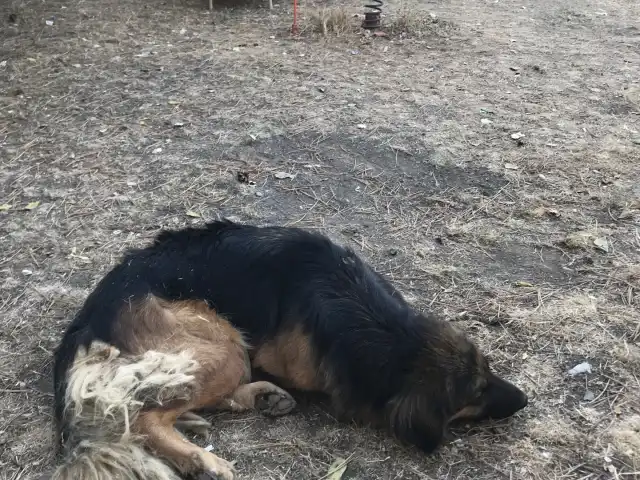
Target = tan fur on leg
(162,438)
(220,353)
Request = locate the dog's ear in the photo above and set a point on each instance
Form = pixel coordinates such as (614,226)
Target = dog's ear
(418,419)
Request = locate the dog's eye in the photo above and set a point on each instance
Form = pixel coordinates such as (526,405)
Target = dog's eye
(481,388)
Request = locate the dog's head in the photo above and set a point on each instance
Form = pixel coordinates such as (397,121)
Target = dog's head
(450,381)
(480,394)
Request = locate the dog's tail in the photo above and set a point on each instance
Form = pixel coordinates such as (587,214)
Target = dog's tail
(104,391)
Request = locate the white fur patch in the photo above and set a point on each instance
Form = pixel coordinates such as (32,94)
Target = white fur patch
(106,390)
(111,461)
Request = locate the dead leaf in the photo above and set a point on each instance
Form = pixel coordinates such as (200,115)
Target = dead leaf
(521,283)
(578,240)
(601,243)
(544,212)
(4,207)
(283,175)
(191,213)
(337,469)
(511,166)
(32,205)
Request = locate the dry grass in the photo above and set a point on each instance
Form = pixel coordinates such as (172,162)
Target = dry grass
(329,21)
(411,19)
(124,117)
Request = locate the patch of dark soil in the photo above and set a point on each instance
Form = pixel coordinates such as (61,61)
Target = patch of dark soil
(514,262)
(352,154)
(350,180)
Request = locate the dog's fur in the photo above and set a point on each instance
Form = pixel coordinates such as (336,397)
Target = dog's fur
(317,317)
(161,360)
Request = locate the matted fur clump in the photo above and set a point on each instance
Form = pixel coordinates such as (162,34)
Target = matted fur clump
(107,387)
(105,393)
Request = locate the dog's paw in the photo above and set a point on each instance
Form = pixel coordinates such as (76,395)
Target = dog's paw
(275,404)
(218,469)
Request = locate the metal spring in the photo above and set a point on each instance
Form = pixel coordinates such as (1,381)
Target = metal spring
(372,17)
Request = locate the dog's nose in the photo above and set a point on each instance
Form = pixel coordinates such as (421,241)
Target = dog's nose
(524,400)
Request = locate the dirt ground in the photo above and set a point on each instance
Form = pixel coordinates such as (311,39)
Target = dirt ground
(484,155)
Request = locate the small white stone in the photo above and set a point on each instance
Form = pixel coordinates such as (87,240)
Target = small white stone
(584,367)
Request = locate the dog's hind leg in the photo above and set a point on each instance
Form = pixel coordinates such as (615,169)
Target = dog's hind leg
(161,437)
(218,352)
(264,397)
(216,378)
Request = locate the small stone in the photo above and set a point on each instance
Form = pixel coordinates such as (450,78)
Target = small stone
(602,244)
(589,396)
(284,175)
(584,367)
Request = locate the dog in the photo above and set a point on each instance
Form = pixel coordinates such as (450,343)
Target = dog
(176,327)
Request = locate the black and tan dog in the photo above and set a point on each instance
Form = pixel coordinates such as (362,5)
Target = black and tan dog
(164,333)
